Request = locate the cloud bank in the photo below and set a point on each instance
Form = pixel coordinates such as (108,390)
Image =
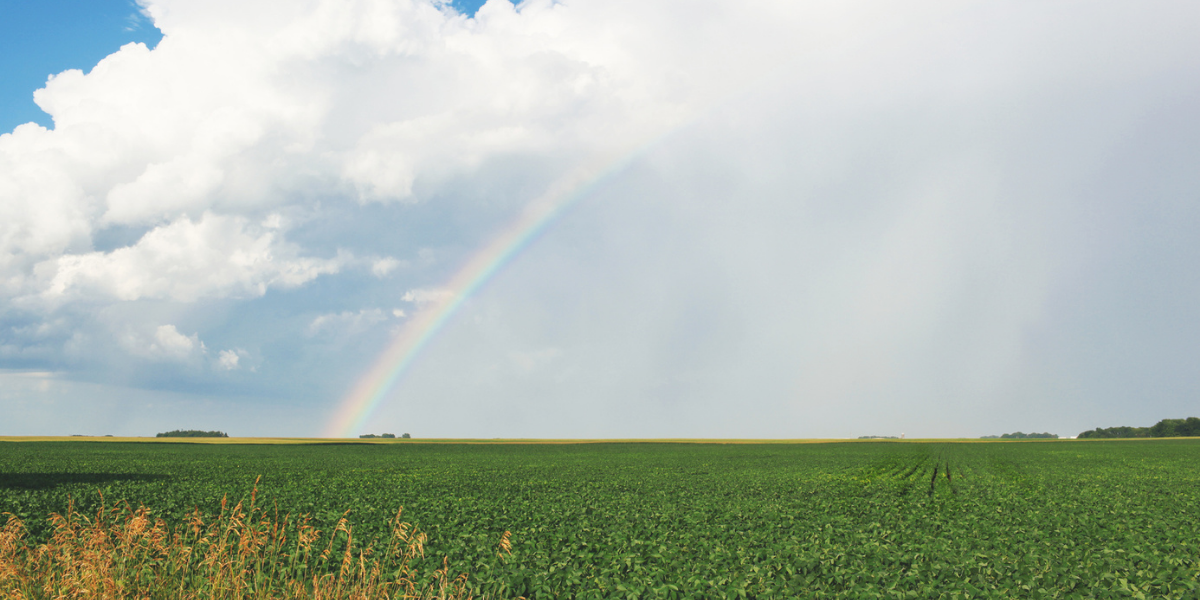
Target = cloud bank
(837,209)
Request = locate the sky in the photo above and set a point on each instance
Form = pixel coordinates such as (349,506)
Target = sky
(50,36)
(584,219)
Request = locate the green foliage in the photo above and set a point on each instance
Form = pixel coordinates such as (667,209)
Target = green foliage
(1189,427)
(193,433)
(368,436)
(1116,432)
(406,436)
(625,520)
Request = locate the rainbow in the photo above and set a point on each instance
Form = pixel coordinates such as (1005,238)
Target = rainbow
(364,398)
(356,408)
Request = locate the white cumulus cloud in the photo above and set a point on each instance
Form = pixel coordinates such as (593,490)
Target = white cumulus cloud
(165,343)
(230,360)
(346,322)
(230,118)
(381,267)
(423,296)
(215,256)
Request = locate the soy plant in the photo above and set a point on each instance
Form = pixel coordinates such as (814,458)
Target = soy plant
(658,520)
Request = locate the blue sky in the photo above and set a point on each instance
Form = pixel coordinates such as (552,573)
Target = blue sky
(785,220)
(51,36)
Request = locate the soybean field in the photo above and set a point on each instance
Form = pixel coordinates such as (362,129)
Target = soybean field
(1030,519)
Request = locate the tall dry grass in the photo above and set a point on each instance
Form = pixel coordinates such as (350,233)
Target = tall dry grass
(245,552)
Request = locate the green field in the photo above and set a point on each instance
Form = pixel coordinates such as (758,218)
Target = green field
(697,520)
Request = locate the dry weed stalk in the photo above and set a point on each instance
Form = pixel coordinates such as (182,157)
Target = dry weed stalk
(244,553)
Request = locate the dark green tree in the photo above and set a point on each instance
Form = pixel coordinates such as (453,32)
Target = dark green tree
(1165,428)
(193,433)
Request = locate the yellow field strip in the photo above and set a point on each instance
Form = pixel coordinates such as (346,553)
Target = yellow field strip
(264,440)
(276,440)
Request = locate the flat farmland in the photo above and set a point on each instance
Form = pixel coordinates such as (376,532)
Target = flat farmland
(693,520)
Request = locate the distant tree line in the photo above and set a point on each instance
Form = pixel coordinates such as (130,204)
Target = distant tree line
(368,436)
(192,433)
(878,437)
(1189,427)
(1017,435)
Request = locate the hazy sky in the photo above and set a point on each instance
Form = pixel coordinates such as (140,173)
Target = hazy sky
(778,219)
